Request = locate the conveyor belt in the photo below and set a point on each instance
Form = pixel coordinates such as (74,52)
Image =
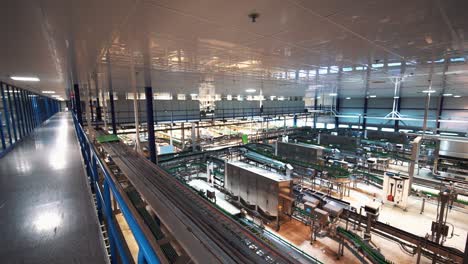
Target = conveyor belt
(205,233)
(431,246)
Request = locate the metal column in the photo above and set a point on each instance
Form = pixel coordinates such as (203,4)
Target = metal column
(76,90)
(111,95)
(366,100)
(396,125)
(150,124)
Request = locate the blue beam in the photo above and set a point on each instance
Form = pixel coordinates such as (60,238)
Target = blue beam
(150,123)
(76,90)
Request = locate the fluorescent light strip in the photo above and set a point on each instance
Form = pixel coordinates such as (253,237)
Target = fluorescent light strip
(251,90)
(25,79)
(48,92)
(429,91)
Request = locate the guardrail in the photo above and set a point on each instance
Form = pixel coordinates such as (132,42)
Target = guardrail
(146,254)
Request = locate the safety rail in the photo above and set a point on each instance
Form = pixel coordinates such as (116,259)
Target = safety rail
(146,253)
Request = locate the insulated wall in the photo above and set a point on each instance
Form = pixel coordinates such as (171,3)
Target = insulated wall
(300,152)
(254,188)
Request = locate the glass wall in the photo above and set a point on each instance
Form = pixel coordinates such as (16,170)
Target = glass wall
(20,112)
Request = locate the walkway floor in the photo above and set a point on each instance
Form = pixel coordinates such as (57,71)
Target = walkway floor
(46,211)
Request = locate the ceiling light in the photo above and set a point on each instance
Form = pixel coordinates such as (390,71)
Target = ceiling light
(447,94)
(347,98)
(25,79)
(396,97)
(56,96)
(429,91)
(251,90)
(48,92)
(457,96)
(333,94)
(372,96)
(318,97)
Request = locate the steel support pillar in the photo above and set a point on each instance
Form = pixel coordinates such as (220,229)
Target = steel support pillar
(337,109)
(439,112)
(366,99)
(150,124)
(364,114)
(441,97)
(182,137)
(76,90)
(111,95)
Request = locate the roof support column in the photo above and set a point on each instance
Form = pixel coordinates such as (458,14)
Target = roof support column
(440,107)
(147,66)
(315,98)
(337,97)
(76,91)
(366,99)
(396,126)
(150,123)
(136,111)
(111,94)
(428,100)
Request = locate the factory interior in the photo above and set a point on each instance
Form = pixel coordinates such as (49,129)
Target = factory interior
(203,131)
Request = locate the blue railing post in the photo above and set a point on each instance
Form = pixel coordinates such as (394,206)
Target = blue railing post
(141,257)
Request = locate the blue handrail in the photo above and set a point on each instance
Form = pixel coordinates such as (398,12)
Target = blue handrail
(146,253)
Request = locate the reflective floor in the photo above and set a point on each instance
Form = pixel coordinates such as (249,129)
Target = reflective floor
(46,211)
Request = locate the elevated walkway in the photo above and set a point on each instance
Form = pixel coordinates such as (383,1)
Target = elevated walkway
(47,214)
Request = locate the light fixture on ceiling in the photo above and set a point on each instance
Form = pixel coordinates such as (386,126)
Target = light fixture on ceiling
(251,90)
(457,96)
(447,94)
(347,98)
(318,97)
(48,92)
(24,78)
(333,94)
(56,96)
(429,91)
(372,96)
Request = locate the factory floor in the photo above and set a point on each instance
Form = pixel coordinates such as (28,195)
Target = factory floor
(411,220)
(46,211)
(324,249)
